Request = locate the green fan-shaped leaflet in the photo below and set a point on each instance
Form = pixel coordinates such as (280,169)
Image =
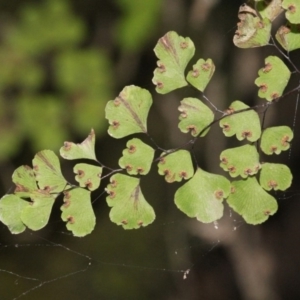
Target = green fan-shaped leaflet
(128,205)
(78,212)
(36,215)
(194,116)
(276,139)
(137,157)
(240,161)
(11,207)
(269,9)
(271,86)
(78,151)
(174,52)
(292,8)
(202,196)
(251,201)
(275,176)
(251,31)
(201,74)
(47,172)
(88,176)
(176,166)
(289,36)
(25,181)
(128,113)
(243,125)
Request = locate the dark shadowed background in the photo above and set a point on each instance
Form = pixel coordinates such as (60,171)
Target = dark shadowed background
(60,62)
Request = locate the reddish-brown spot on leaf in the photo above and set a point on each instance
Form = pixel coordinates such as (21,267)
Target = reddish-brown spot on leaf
(247,171)
(140,223)
(226,127)
(161,67)
(195,73)
(67,203)
(36,168)
(166,172)
(224,160)
(272,184)
(131,149)
(80,173)
(284,141)
(20,188)
(140,170)
(232,169)
(229,111)
(67,195)
(112,194)
(71,219)
(260,25)
(159,84)
(267,212)
(162,160)
(206,66)
(232,189)
(115,124)
(192,129)
(117,102)
(128,168)
(219,194)
(89,184)
(273,149)
(47,189)
(183,174)
(274,95)
(263,88)
(67,146)
(292,8)
(113,183)
(183,114)
(267,68)
(246,133)
(124,222)
(183,45)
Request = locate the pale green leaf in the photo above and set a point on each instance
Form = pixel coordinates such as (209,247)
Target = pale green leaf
(251,201)
(269,9)
(240,161)
(25,181)
(137,157)
(176,166)
(77,151)
(128,113)
(292,8)
(201,74)
(78,212)
(194,117)
(36,215)
(11,208)
(202,196)
(251,31)
(243,125)
(276,139)
(271,85)
(288,36)
(88,176)
(174,52)
(47,171)
(275,176)
(128,205)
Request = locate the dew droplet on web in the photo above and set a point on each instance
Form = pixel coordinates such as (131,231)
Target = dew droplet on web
(216,225)
(186,273)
